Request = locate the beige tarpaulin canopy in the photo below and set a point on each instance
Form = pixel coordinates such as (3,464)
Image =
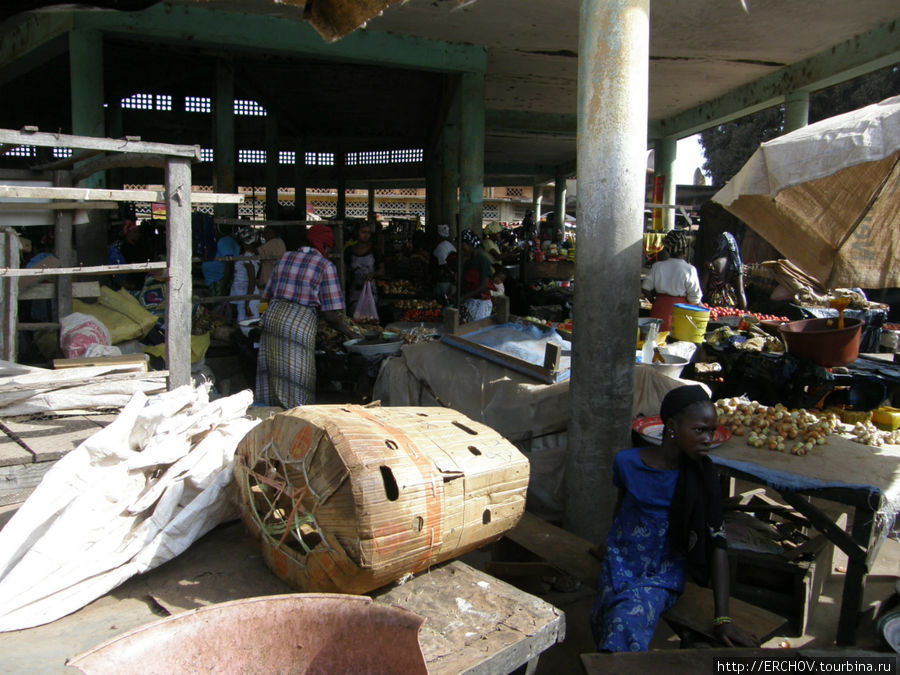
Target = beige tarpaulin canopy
(828,196)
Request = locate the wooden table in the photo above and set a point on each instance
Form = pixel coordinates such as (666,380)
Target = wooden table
(476,623)
(843,472)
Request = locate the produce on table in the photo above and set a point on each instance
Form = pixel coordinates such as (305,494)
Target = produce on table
(798,431)
(396,287)
(718,312)
(422,315)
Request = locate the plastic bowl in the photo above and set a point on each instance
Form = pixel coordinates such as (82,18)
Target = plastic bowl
(671,368)
(821,343)
(248,325)
(390,347)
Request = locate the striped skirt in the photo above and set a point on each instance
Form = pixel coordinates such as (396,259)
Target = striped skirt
(286,369)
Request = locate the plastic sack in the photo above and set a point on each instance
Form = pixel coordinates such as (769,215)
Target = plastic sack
(79,331)
(120,312)
(365,306)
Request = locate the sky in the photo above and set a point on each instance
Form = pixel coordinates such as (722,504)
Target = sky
(688,159)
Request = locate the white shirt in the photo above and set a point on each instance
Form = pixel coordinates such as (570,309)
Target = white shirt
(674,276)
(442,250)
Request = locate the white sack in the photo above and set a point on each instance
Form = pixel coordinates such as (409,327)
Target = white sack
(132,496)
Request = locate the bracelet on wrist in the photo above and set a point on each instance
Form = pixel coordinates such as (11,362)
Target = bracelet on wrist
(721,620)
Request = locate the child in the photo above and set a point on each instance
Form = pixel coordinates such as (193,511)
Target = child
(495,285)
(667,523)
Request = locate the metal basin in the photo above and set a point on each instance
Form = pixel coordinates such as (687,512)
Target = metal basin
(296,633)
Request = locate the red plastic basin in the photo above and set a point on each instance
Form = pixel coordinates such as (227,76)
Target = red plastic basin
(816,340)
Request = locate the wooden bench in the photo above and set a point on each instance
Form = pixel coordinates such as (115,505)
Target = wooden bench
(691,616)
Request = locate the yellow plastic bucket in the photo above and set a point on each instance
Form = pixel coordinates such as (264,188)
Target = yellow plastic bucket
(689,322)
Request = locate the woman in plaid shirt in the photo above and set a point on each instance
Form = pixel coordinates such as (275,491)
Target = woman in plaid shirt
(304,283)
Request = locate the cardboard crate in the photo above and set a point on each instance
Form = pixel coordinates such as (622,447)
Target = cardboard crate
(348,499)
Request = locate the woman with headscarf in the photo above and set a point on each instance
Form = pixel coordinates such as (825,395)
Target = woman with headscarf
(244,280)
(475,301)
(444,260)
(723,275)
(672,281)
(667,526)
(362,265)
(304,285)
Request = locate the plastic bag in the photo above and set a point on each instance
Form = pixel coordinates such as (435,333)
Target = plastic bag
(365,306)
(78,331)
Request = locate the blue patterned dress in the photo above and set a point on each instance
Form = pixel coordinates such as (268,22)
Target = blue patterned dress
(640,578)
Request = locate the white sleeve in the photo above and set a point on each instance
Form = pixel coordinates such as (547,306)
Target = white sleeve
(649,282)
(692,287)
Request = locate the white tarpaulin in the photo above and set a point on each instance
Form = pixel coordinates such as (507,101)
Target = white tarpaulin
(132,496)
(827,196)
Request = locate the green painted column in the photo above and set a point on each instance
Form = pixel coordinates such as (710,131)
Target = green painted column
(471,149)
(449,148)
(341,213)
(370,201)
(664,165)
(271,166)
(224,153)
(559,199)
(796,111)
(88,119)
(613,57)
(433,171)
(299,179)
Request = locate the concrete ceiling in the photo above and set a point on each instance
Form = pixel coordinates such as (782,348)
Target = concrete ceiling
(710,61)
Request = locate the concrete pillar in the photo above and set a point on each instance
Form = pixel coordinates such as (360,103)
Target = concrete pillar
(559,198)
(664,165)
(271,166)
(88,119)
(613,56)
(433,170)
(449,148)
(471,149)
(299,180)
(370,201)
(224,153)
(537,200)
(796,110)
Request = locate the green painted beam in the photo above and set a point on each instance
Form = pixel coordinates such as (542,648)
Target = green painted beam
(544,124)
(865,53)
(30,40)
(233,30)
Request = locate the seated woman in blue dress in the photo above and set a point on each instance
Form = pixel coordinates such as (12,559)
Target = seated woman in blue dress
(668,525)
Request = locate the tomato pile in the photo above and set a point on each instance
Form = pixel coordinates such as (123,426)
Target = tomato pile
(420,315)
(718,312)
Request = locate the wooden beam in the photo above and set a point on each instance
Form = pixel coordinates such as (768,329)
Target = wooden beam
(47,291)
(865,53)
(58,206)
(93,269)
(229,30)
(43,139)
(32,192)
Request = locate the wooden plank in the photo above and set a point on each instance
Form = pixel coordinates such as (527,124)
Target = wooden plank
(100,194)
(49,439)
(9,257)
(47,290)
(96,269)
(58,206)
(178,306)
(42,139)
(123,359)
(64,248)
(567,552)
(12,453)
(19,481)
(476,623)
(695,610)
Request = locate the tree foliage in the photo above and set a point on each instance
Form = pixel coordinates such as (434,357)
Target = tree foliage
(729,146)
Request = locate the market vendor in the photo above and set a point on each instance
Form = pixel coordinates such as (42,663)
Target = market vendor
(475,300)
(672,281)
(491,235)
(667,527)
(304,285)
(363,264)
(444,259)
(723,275)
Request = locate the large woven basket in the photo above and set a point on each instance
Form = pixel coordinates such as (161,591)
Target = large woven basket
(347,499)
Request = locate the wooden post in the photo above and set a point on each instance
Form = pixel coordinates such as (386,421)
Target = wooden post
(9,291)
(178,307)
(501,309)
(552,352)
(299,180)
(62,248)
(451,320)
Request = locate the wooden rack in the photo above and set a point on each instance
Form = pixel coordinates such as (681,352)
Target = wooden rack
(175,160)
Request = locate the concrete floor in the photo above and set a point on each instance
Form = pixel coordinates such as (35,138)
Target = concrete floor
(226,565)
